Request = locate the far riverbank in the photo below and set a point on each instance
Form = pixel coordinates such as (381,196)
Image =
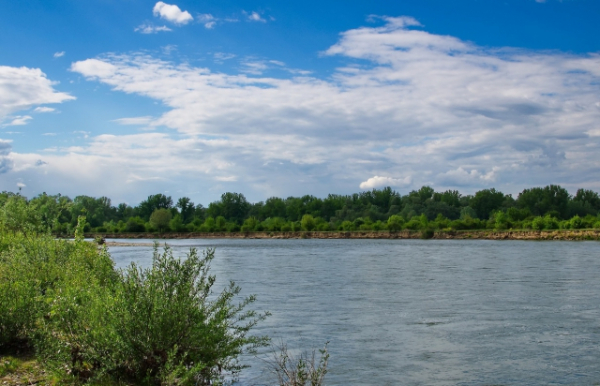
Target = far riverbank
(563,234)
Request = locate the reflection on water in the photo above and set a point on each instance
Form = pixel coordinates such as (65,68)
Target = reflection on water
(415,312)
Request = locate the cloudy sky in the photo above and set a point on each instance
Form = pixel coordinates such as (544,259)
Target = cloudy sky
(127,98)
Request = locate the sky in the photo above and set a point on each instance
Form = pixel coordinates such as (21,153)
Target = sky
(128,98)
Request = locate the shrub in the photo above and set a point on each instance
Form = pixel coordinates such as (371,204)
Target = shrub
(347,226)
(34,270)
(299,371)
(308,223)
(250,224)
(160,219)
(135,224)
(427,233)
(160,324)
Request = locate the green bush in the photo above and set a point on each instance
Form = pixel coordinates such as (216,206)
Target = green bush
(34,270)
(89,322)
(302,370)
(161,325)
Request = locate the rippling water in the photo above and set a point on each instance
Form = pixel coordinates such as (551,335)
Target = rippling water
(421,312)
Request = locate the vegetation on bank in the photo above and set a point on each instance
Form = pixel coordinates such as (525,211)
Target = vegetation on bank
(540,208)
(67,316)
(88,322)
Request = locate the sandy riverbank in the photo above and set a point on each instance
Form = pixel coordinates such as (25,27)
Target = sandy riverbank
(578,234)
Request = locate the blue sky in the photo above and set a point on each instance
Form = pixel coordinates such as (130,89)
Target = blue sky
(129,98)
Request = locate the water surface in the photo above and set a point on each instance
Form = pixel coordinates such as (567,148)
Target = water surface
(421,312)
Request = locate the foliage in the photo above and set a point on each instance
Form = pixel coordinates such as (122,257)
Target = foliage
(366,211)
(540,201)
(160,219)
(36,268)
(308,223)
(89,322)
(303,370)
(485,201)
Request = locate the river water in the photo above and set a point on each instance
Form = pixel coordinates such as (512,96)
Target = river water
(420,312)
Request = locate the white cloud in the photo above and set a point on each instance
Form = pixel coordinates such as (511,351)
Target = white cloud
(6,162)
(169,48)
(151,29)
(379,182)
(172,13)
(255,16)
(254,67)
(226,178)
(134,121)
(404,102)
(22,88)
(19,120)
(20,185)
(462,177)
(208,20)
(44,109)
(221,56)
(59,54)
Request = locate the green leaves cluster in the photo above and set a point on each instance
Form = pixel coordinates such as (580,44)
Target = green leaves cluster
(375,210)
(89,322)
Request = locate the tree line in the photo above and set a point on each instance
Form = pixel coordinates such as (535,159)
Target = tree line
(549,207)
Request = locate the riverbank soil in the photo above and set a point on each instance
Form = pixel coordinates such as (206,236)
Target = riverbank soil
(18,366)
(563,234)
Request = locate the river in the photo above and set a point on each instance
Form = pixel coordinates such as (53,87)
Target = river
(420,312)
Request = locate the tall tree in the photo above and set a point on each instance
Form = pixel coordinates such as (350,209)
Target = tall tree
(541,201)
(485,201)
(152,203)
(186,209)
(232,206)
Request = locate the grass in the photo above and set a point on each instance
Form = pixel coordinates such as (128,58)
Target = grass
(23,369)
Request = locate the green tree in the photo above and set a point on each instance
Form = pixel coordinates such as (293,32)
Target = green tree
(152,203)
(308,222)
(186,209)
(395,223)
(232,206)
(250,224)
(176,224)
(160,219)
(541,201)
(135,224)
(485,201)
(273,207)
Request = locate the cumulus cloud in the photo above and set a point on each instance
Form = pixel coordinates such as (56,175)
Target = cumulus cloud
(134,121)
(254,67)
(462,177)
(5,160)
(151,29)
(222,56)
(255,16)
(21,88)
(59,54)
(171,13)
(404,102)
(208,20)
(19,120)
(44,109)
(378,182)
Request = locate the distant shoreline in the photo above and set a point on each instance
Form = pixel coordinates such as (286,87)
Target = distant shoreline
(568,235)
